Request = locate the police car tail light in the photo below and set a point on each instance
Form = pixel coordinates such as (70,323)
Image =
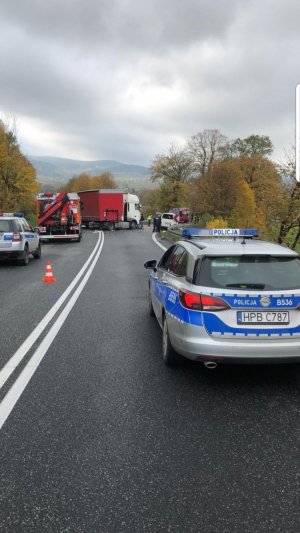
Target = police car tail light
(211,303)
(202,302)
(190,300)
(17,237)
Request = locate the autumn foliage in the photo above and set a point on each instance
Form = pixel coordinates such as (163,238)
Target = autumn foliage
(85,182)
(18,184)
(231,182)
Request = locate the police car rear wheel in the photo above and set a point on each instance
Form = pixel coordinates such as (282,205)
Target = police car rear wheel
(37,254)
(170,357)
(25,259)
(151,310)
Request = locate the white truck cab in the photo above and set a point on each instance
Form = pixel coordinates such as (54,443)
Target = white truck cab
(132,209)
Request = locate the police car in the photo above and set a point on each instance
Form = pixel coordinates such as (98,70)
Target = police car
(222,295)
(18,239)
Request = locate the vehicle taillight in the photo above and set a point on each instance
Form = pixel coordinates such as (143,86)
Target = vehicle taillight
(211,303)
(202,302)
(190,300)
(17,237)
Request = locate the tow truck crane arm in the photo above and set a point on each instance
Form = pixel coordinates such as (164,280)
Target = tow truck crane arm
(59,201)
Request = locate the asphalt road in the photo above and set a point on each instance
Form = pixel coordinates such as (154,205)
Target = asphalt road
(105,438)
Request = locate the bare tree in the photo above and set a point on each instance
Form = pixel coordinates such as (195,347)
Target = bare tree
(206,147)
(175,166)
(174,171)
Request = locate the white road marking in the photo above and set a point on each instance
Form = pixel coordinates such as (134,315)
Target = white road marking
(154,238)
(11,398)
(15,360)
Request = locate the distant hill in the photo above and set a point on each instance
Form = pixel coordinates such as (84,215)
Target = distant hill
(58,170)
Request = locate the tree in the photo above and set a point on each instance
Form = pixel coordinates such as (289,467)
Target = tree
(175,166)
(174,171)
(85,182)
(244,210)
(172,194)
(216,191)
(289,231)
(206,147)
(260,145)
(105,180)
(217,223)
(224,194)
(18,185)
(150,201)
(263,178)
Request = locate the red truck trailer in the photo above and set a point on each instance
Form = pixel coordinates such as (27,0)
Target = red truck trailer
(109,209)
(59,216)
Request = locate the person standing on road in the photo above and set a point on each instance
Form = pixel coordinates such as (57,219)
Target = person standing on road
(154,223)
(149,218)
(155,220)
(158,224)
(142,221)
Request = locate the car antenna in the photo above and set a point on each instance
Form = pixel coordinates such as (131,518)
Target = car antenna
(244,237)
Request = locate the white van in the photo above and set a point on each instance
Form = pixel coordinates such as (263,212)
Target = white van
(168,220)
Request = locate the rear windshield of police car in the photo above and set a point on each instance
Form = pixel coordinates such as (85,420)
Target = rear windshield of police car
(251,272)
(5,226)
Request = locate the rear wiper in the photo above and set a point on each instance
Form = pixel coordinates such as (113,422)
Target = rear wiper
(246,285)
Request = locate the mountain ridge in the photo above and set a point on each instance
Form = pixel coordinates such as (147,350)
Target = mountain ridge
(60,169)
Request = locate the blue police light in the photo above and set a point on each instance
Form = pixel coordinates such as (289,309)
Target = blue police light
(189,233)
(18,214)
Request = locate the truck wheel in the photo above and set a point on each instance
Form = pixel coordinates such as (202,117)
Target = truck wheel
(170,357)
(133,224)
(25,259)
(38,253)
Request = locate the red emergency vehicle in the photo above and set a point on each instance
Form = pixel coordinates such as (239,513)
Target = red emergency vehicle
(59,216)
(182,214)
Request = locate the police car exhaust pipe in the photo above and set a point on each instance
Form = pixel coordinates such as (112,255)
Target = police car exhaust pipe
(210,364)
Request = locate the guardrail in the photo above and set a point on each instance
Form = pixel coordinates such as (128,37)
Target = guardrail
(174,233)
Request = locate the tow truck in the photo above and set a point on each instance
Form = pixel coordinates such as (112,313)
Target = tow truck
(59,216)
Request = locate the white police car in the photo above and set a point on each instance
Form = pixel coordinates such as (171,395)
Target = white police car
(18,239)
(223,296)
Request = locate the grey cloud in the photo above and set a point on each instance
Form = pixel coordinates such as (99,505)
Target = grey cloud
(127,23)
(123,79)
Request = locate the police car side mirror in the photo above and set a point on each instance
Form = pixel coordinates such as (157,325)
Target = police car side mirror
(151,264)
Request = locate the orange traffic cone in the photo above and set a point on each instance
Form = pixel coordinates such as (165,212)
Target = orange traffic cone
(49,278)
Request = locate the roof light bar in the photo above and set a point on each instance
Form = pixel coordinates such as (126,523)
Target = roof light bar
(219,232)
(17,214)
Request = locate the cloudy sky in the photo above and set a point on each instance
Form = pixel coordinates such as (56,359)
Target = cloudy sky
(124,79)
